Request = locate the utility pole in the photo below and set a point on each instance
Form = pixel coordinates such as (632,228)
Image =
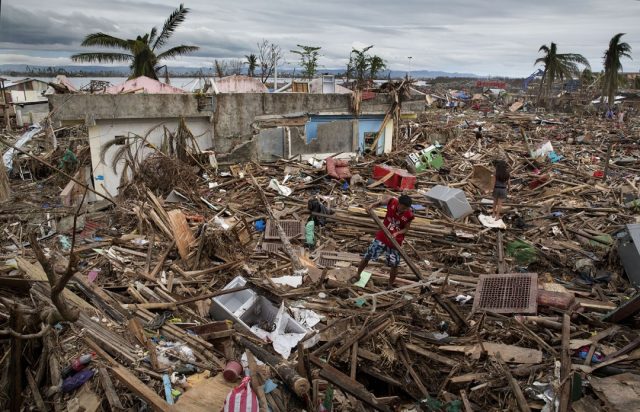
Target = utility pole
(5,107)
(409,72)
(275,68)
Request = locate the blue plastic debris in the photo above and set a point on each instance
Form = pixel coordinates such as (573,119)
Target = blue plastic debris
(554,157)
(74,382)
(260,225)
(269,386)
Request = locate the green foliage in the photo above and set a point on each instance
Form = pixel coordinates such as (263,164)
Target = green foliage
(612,66)
(252,63)
(558,66)
(141,52)
(308,59)
(363,66)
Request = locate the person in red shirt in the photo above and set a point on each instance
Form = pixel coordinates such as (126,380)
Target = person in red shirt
(398,221)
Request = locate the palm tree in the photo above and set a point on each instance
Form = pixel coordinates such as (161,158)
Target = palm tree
(140,52)
(612,66)
(252,62)
(376,65)
(558,66)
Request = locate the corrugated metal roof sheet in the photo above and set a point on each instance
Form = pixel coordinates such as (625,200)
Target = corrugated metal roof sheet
(143,84)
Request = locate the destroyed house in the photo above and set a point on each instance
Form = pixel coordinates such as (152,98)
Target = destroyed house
(236,126)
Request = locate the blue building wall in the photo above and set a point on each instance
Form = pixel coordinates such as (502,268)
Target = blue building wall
(366,124)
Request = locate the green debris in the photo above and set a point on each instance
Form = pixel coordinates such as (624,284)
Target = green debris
(434,405)
(603,242)
(523,252)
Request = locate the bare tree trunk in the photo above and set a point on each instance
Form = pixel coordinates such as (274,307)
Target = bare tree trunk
(5,190)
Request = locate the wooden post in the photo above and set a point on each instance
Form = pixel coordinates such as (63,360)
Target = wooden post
(606,162)
(453,312)
(565,365)
(500,253)
(15,362)
(5,189)
(287,373)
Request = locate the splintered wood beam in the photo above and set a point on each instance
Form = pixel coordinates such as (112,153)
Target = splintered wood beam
(130,380)
(109,390)
(515,388)
(287,373)
(500,252)
(565,365)
(453,312)
(348,385)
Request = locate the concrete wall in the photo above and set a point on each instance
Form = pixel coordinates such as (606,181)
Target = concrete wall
(92,107)
(235,113)
(231,118)
(106,180)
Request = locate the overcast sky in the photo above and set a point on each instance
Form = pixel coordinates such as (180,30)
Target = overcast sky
(500,37)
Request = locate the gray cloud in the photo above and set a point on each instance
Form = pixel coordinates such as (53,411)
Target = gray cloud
(33,27)
(499,38)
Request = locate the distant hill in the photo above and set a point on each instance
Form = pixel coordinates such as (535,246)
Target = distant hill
(74,70)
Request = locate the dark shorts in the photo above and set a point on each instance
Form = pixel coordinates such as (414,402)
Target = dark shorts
(376,248)
(499,193)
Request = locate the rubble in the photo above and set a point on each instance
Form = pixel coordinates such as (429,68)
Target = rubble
(195,273)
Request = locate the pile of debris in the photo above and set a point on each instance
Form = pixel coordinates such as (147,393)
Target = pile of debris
(199,286)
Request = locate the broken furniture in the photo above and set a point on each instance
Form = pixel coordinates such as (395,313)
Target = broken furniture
(338,168)
(247,309)
(400,179)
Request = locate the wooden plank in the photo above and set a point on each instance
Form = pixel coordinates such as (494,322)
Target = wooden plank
(465,401)
(109,390)
(348,385)
(130,380)
(431,355)
(620,393)
(182,233)
(35,392)
(510,353)
(35,272)
(469,377)
(565,365)
(625,311)
(382,180)
(515,388)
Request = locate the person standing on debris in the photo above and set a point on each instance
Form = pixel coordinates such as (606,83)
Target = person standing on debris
(621,114)
(501,183)
(479,137)
(398,221)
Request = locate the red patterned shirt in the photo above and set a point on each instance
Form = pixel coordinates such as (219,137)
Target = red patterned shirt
(394,221)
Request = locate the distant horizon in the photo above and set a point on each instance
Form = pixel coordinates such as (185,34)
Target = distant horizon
(187,71)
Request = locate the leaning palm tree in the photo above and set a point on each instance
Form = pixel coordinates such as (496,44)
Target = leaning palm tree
(252,63)
(142,52)
(558,66)
(612,66)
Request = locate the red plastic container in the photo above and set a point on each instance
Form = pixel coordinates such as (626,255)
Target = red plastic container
(232,371)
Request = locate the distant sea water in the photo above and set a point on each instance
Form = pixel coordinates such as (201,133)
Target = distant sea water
(186,83)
